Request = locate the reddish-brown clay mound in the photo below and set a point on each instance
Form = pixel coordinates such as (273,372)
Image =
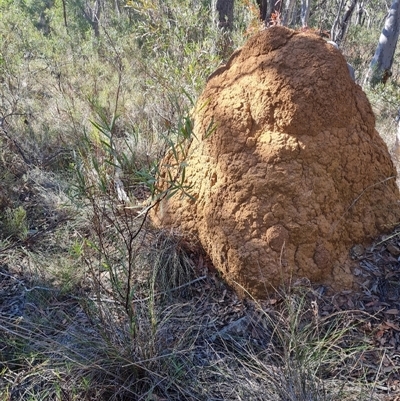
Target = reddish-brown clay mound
(295,172)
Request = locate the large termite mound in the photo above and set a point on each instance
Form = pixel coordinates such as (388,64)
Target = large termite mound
(286,171)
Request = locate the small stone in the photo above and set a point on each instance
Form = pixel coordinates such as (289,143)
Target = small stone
(357,251)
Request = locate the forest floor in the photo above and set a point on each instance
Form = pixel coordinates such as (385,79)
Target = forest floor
(218,327)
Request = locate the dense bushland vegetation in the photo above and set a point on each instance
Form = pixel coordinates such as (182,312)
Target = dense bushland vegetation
(94,303)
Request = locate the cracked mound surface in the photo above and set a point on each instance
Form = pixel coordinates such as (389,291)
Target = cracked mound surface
(294,173)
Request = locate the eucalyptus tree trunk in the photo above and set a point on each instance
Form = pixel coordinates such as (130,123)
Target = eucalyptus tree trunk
(305,12)
(267,7)
(342,23)
(288,12)
(117,8)
(44,21)
(380,67)
(65,13)
(92,14)
(224,10)
(360,13)
(96,10)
